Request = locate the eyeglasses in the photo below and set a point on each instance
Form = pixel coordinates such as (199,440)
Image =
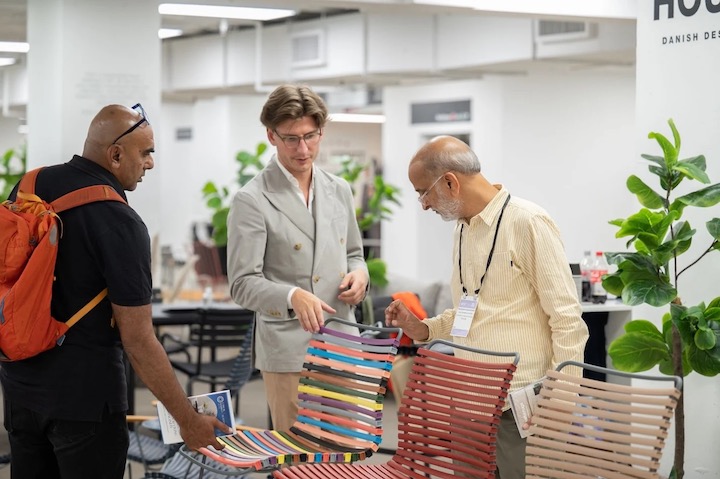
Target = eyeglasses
(137,107)
(422,197)
(293,141)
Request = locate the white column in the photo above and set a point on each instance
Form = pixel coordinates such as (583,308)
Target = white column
(85,54)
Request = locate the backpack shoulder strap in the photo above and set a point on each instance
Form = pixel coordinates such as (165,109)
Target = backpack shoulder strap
(89,194)
(27,183)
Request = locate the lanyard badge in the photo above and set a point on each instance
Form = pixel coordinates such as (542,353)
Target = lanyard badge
(465,311)
(464,315)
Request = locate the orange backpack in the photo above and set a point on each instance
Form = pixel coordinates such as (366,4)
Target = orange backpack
(29,234)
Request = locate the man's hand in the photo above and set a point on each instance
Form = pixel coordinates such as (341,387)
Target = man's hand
(309,309)
(398,315)
(199,431)
(353,287)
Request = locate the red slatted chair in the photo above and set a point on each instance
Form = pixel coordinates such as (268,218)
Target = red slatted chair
(588,428)
(341,394)
(447,421)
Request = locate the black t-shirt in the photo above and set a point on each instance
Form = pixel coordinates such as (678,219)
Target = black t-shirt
(103,244)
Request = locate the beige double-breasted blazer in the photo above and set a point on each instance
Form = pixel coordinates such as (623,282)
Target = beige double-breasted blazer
(275,244)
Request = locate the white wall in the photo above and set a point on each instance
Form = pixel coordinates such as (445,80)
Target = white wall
(220,128)
(562,139)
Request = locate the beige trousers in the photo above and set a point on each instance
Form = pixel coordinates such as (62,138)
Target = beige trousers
(281,391)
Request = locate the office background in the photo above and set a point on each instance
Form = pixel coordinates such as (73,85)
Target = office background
(561,123)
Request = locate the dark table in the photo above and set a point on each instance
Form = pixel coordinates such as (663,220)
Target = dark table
(176,314)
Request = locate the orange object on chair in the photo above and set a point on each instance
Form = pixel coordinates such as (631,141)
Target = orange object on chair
(413,303)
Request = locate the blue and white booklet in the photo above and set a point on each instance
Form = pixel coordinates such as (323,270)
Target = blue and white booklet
(218,404)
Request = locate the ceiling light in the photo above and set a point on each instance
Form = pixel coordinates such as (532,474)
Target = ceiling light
(240,13)
(356,118)
(6,61)
(169,33)
(15,47)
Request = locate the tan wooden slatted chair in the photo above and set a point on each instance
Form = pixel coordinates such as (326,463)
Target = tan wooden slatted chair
(447,421)
(341,395)
(588,428)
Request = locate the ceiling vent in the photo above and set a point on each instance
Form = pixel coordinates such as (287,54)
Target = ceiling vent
(308,49)
(550,31)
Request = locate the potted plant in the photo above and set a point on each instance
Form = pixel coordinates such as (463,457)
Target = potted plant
(218,198)
(374,211)
(690,336)
(13,164)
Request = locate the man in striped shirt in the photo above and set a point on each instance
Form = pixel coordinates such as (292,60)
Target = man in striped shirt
(511,272)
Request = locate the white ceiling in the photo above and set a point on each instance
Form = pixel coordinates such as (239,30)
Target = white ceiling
(13,17)
(13,12)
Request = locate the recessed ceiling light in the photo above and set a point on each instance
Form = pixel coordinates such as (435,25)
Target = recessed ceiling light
(6,61)
(169,33)
(356,118)
(15,47)
(240,13)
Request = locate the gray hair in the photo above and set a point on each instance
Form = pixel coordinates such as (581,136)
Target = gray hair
(445,153)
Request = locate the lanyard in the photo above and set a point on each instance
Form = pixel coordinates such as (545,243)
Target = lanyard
(492,249)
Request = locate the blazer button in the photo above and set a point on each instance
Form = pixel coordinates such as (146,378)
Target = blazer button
(298,246)
(316,279)
(342,240)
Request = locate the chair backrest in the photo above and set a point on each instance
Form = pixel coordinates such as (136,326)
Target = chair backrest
(588,428)
(450,413)
(224,328)
(341,394)
(209,266)
(342,388)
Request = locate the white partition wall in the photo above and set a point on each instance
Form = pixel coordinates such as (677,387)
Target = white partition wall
(678,66)
(563,139)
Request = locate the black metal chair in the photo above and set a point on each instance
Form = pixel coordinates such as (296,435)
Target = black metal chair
(217,329)
(145,445)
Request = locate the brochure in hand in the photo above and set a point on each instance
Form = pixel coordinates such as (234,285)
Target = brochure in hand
(522,403)
(218,404)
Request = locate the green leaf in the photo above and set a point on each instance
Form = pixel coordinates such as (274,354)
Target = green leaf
(642,221)
(645,195)
(645,327)
(637,351)
(703,198)
(613,284)
(209,188)
(377,270)
(707,361)
(655,159)
(670,152)
(654,292)
(713,227)
(705,339)
(676,134)
(691,170)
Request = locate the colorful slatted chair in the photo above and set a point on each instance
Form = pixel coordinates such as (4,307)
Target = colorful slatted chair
(589,428)
(447,421)
(341,394)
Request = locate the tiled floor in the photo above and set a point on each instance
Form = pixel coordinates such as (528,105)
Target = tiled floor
(253,411)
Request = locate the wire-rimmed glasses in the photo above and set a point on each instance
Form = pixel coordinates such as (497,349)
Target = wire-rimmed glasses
(293,141)
(139,108)
(421,198)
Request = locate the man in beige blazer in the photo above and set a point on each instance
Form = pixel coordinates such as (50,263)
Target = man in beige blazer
(295,251)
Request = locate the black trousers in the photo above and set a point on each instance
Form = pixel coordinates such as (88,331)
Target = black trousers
(47,448)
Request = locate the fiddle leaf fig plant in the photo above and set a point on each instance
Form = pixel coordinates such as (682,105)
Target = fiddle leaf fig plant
(689,338)
(218,198)
(376,209)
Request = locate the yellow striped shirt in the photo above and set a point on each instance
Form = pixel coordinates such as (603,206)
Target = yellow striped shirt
(528,302)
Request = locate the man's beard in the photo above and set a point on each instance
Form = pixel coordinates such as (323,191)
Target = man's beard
(448,208)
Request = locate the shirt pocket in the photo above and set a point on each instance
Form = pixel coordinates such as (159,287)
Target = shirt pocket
(504,279)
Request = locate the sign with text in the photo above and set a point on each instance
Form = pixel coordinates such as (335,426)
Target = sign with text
(440,112)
